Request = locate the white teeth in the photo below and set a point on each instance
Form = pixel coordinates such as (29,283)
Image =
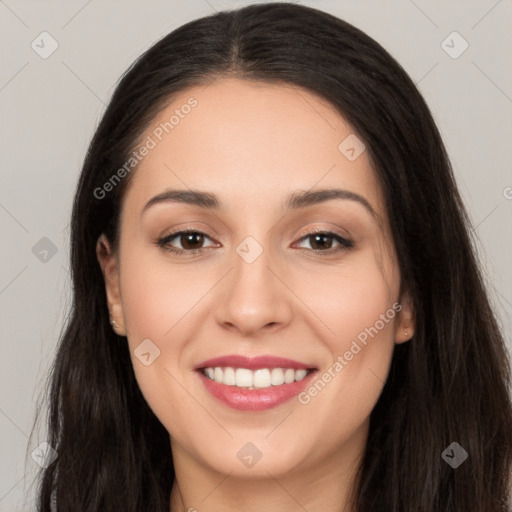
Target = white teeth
(277,377)
(229,377)
(300,374)
(243,378)
(261,378)
(254,379)
(289,375)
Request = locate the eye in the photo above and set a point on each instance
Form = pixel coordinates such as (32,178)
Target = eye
(188,239)
(322,242)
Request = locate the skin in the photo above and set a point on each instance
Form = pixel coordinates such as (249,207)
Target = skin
(252,144)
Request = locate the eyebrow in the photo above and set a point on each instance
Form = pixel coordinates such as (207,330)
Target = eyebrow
(296,200)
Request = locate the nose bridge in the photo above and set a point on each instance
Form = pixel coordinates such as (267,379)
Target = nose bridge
(251,276)
(254,297)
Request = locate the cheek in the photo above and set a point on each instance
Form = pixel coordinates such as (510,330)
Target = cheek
(359,309)
(156,305)
(157,296)
(349,300)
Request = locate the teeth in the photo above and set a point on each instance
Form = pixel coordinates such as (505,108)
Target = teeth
(254,379)
(277,377)
(289,375)
(229,377)
(243,378)
(261,379)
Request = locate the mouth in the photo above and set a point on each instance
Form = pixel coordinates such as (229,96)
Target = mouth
(254,383)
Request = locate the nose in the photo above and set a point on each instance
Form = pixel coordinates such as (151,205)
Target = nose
(254,297)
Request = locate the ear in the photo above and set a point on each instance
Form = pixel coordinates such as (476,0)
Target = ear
(404,326)
(109,264)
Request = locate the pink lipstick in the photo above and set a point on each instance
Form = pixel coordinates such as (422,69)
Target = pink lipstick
(254,384)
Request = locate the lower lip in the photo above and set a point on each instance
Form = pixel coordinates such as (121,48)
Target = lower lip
(246,399)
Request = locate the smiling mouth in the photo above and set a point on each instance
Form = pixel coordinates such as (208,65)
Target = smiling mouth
(255,379)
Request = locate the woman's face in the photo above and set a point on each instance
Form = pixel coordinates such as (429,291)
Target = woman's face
(260,283)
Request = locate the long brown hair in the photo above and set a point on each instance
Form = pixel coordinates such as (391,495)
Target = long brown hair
(450,383)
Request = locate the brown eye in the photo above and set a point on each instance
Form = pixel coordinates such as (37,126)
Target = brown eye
(322,242)
(191,241)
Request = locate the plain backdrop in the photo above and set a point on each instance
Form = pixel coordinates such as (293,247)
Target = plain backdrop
(50,107)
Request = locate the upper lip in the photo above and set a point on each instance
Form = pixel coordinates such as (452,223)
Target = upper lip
(252,363)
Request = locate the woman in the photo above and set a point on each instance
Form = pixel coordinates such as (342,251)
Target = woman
(276,300)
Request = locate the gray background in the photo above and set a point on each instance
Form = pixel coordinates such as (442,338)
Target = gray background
(50,108)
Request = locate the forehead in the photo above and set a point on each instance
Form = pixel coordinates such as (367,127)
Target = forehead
(252,143)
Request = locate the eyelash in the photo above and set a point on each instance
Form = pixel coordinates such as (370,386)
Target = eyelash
(345,243)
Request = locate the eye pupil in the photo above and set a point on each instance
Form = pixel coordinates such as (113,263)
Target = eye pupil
(322,245)
(190,237)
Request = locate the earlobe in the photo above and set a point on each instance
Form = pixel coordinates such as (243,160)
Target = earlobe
(404,327)
(108,261)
